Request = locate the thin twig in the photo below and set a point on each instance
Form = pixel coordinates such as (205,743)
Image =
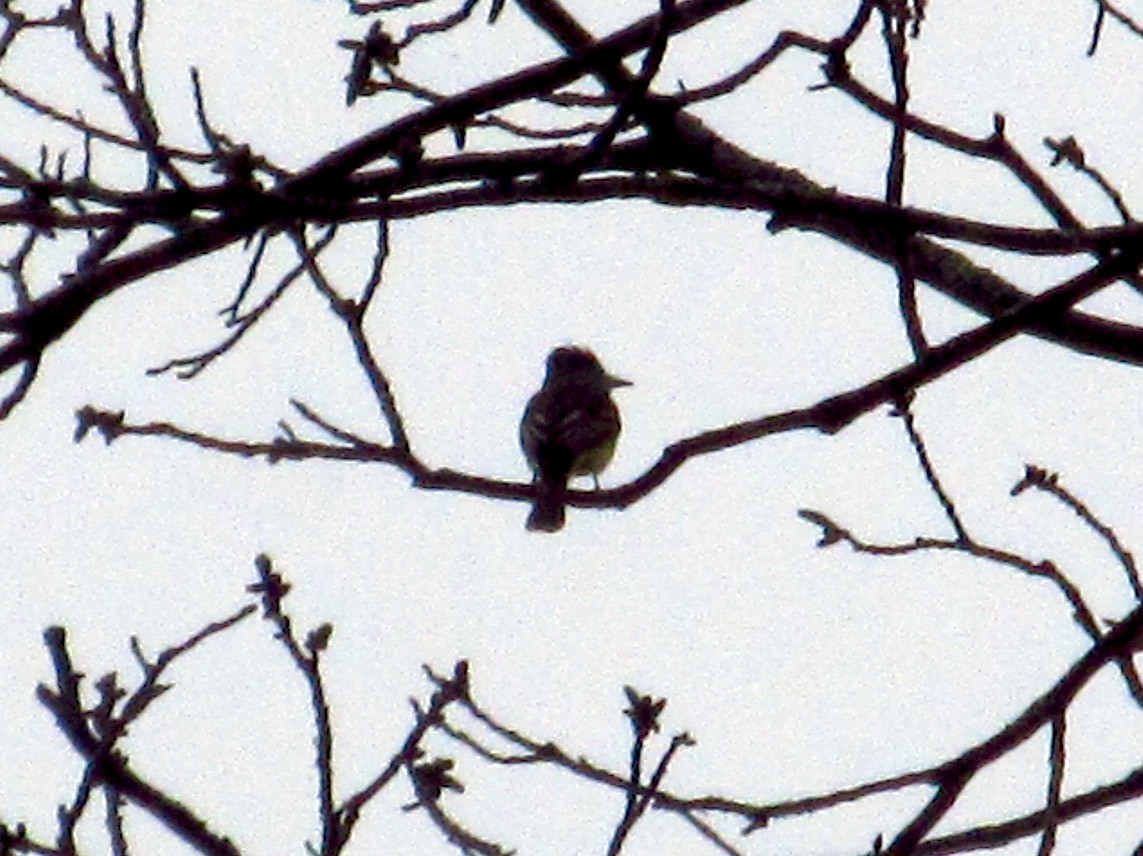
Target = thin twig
(1041,479)
(307,660)
(1081,613)
(352,315)
(905,411)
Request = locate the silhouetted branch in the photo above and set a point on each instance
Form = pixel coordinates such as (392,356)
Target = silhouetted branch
(1041,479)
(448,692)
(829,415)
(306,656)
(105,765)
(94,731)
(1057,756)
(1103,8)
(834,533)
(352,315)
(1119,643)
(1069,151)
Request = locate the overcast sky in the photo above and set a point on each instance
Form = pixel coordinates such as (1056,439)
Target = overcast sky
(797,670)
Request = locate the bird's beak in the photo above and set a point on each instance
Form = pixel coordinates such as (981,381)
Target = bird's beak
(616,382)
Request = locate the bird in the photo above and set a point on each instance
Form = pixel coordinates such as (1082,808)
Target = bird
(570,428)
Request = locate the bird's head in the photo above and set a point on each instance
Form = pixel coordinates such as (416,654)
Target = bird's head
(571,364)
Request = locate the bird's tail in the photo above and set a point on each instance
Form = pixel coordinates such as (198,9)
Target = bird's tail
(548,510)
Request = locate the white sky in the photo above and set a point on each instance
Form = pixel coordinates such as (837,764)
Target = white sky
(798,671)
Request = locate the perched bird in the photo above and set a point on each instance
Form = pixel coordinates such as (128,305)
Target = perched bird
(569,429)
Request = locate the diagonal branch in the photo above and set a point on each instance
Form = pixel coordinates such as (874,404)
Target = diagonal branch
(112,769)
(1121,641)
(835,413)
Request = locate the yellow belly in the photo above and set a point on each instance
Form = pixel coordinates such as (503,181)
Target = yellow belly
(594,461)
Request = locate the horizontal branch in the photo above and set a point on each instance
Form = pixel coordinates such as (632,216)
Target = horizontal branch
(829,415)
(866,225)
(504,177)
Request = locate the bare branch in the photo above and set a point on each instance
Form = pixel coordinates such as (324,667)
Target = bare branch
(1104,8)
(1041,479)
(1069,151)
(112,769)
(829,415)
(306,658)
(352,315)
(904,410)
(1057,757)
(448,692)
(1122,641)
